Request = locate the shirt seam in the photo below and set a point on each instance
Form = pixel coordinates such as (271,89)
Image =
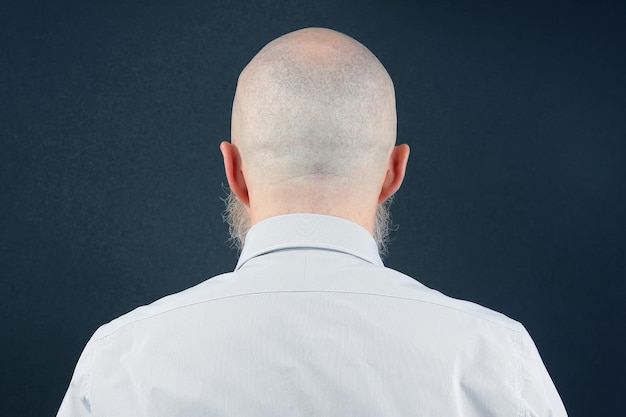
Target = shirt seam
(521,409)
(516,327)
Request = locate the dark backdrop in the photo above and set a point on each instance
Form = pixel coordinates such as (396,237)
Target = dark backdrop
(111,178)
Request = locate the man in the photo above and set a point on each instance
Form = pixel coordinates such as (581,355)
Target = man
(310,322)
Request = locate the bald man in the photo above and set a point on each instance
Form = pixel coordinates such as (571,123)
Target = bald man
(311,323)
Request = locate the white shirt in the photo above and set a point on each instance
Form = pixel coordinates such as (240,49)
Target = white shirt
(311,323)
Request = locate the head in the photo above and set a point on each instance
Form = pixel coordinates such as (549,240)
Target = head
(313,131)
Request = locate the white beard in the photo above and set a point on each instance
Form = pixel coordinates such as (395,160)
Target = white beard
(238,219)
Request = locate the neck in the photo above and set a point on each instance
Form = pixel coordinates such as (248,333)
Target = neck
(361,211)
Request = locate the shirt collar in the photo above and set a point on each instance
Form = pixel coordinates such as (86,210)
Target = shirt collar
(309,231)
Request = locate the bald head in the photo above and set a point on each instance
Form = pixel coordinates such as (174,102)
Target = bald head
(313,130)
(314,107)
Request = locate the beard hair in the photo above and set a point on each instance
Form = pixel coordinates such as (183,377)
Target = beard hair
(238,219)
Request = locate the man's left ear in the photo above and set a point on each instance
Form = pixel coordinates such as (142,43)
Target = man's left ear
(234,173)
(395,171)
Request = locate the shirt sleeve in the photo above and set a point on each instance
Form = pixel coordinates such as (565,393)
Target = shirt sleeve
(77,402)
(537,390)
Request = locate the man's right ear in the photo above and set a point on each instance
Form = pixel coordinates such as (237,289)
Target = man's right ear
(395,171)
(234,174)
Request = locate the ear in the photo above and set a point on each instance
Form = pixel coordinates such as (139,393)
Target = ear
(395,172)
(234,174)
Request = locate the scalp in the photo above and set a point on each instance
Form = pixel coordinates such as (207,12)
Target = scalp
(314,104)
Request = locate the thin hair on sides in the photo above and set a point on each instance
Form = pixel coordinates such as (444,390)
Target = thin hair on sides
(238,220)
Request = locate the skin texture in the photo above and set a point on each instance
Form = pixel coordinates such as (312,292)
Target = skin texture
(313,131)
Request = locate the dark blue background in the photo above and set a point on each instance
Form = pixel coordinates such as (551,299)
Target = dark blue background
(111,115)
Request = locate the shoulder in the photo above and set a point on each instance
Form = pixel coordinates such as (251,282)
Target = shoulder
(202,292)
(406,287)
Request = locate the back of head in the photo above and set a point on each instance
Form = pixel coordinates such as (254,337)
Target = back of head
(314,110)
